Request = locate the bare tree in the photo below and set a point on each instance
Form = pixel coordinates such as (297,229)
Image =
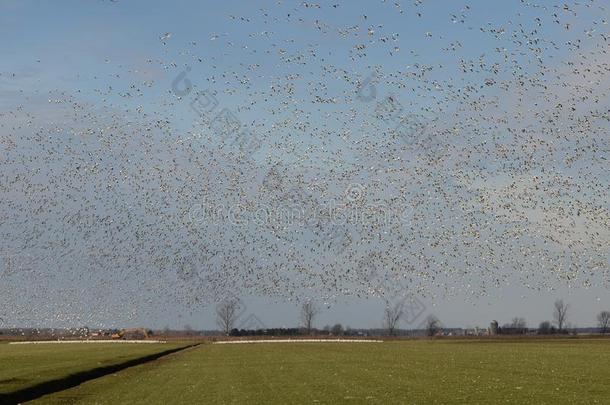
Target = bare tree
(392,315)
(560,314)
(337,330)
(546,328)
(226,315)
(603,321)
(433,325)
(309,310)
(518,325)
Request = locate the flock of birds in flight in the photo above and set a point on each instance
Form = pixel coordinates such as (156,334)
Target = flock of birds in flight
(475,160)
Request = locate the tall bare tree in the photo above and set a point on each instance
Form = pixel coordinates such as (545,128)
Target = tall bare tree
(603,321)
(309,310)
(560,314)
(226,315)
(433,325)
(391,316)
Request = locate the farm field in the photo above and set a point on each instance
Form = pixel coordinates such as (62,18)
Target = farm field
(557,371)
(25,366)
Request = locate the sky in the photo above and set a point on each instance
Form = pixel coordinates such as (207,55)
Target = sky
(468,140)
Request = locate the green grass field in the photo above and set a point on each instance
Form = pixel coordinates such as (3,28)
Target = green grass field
(23,366)
(400,372)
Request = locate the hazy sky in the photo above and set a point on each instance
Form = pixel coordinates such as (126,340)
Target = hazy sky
(107,166)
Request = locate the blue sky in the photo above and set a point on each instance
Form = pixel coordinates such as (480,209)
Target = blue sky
(71,68)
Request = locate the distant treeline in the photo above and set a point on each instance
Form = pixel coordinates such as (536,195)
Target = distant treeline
(80,333)
(266,332)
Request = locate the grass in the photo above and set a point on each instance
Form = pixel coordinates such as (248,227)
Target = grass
(399,372)
(24,366)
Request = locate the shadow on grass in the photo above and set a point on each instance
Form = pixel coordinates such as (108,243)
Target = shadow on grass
(72,380)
